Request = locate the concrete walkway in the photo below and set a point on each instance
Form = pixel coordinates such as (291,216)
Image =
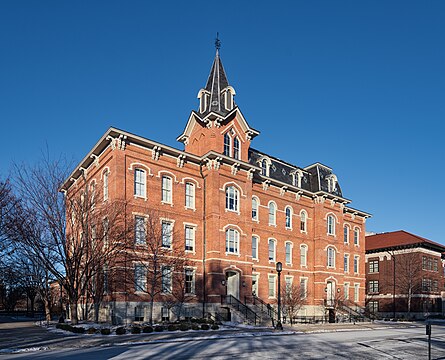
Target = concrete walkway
(16,335)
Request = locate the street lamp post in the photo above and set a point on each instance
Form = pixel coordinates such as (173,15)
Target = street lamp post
(279,268)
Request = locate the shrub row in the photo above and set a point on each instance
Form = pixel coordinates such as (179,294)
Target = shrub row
(68,327)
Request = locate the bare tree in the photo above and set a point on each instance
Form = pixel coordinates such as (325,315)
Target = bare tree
(70,236)
(293,298)
(409,275)
(158,258)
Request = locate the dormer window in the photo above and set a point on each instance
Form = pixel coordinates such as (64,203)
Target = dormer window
(228,97)
(202,96)
(265,165)
(332,183)
(297,176)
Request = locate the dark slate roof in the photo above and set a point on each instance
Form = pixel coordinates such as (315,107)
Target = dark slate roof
(314,176)
(216,82)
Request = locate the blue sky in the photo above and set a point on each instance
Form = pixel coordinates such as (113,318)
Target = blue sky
(356,85)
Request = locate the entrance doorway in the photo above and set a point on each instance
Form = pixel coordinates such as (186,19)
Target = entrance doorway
(233,283)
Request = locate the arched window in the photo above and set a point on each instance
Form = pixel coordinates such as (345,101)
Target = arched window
(296,178)
(356,236)
(331,257)
(232,241)
(167,189)
(303,255)
(331,225)
(272,213)
(288,217)
(232,198)
(254,208)
(189,195)
(105,184)
(303,221)
(139,182)
(236,148)
(271,246)
(255,247)
(346,234)
(264,167)
(227,144)
(332,182)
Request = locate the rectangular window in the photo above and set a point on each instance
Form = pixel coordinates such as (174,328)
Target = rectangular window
(435,286)
(189,195)
(303,288)
(331,257)
(288,253)
(426,285)
(356,264)
(271,286)
(189,281)
(140,278)
(346,234)
(235,145)
(346,263)
(166,279)
(189,238)
(346,291)
(303,255)
(139,182)
(424,263)
(356,292)
(435,265)
(271,250)
(167,189)
(288,284)
(356,236)
(373,286)
(254,247)
(373,307)
(373,266)
(138,313)
(139,230)
(165,314)
(167,234)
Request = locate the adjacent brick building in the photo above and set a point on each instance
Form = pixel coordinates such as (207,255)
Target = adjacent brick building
(404,274)
(239,210)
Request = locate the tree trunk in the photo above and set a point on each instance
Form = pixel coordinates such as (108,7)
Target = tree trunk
(47,309)
(73,311)
(96,312)
(150,311)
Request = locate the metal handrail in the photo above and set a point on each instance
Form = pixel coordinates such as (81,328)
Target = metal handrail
(240,307)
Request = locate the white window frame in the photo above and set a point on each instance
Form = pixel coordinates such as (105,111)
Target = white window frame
(255,208)
(232,238)
(140,235)
(255,249)
(167,234)
(232,198)
(303,255)
(105,178)
(303,221)
(372,268)
(346,262)
(346,230)
(330,223)
(272,214)
(189,195)
(274,250)
(356,292)
(330,257)
(188,271)
(373,287)
(356,236)
(189,235)
(140,278)
(303,287)
(236,149)
(288,216)
(167,189)
(288,245)
(356,264)
(272,291)
(227,151)
(140,183)
(346,291)
(166,279)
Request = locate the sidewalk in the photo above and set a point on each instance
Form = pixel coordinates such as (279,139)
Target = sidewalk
(28,336)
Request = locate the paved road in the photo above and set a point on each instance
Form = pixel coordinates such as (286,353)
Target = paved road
(397,343)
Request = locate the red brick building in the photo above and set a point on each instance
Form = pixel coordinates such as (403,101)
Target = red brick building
(239,210)
(404,274)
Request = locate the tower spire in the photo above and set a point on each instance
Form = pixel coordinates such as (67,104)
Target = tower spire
(217,42)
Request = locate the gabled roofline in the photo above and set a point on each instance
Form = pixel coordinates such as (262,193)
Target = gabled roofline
(318,164)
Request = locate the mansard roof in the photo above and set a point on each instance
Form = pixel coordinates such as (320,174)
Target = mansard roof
(314,176)
(400,239)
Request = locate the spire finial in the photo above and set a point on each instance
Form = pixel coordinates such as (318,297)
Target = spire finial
(217,42)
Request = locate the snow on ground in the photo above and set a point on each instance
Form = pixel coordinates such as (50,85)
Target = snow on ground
(25,350)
